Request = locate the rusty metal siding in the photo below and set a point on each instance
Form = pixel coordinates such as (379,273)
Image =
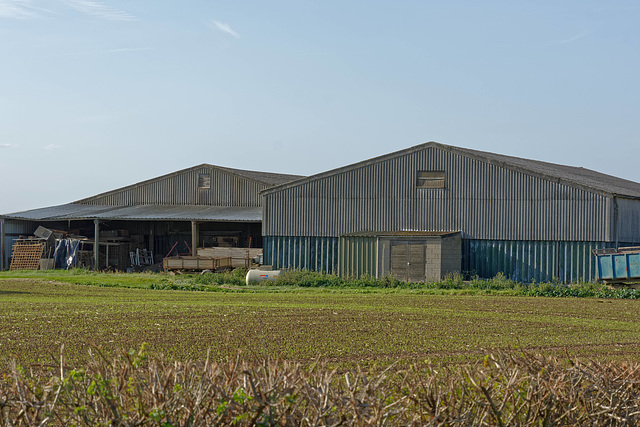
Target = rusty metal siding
(182,189)
(302,253)
(484,200)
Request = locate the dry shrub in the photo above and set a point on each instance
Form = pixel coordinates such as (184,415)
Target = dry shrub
(508,388)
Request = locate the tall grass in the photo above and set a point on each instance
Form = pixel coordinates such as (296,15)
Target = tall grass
(499,284)
(502,389)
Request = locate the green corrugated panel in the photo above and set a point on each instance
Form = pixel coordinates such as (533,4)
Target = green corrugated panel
(357,256)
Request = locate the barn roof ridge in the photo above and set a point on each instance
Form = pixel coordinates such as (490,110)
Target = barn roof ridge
(571,175)
(267,178)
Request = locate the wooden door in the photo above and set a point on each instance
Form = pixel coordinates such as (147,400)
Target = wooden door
(408,262)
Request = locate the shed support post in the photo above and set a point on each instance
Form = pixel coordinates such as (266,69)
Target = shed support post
(615,221)
(2,234)
(152,237)
(96,243)
(194,237)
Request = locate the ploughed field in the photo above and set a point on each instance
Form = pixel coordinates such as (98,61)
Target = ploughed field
(344,326)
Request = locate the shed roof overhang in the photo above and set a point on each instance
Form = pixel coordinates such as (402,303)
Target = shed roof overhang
(402,233)
(76,211)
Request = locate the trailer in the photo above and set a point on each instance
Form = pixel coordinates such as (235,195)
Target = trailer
(196,263)
(621,265)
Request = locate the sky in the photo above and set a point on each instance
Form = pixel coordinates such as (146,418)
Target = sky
(97,94)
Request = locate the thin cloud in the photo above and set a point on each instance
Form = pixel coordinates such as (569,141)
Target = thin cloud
(225,28)
(51,147)
(7,145)
(99,10)
(29,9)
(571,39)
(20,9)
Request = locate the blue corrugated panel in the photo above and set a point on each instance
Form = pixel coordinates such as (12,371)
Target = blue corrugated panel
(522,261)
(529,261)
(309,253)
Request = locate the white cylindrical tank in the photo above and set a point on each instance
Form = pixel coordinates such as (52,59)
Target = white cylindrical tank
(255,276)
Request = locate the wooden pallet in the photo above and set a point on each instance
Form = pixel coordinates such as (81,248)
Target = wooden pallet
(26,256)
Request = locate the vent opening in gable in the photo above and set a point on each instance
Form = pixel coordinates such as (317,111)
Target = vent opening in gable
(430,179)
(204,181)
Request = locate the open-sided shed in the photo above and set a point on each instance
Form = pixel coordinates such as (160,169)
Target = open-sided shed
(203,205)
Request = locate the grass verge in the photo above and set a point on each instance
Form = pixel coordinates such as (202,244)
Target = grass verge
(297,280)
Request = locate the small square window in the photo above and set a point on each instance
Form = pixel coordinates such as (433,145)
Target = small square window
(430,179)
(204,181)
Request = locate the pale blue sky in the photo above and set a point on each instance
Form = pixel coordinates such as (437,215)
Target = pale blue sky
(99,94)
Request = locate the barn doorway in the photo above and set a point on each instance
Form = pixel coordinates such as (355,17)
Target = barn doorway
(408,261)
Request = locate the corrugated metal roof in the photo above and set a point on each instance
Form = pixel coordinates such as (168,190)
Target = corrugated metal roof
(266,179)
(74,211)
(570,175)
(405,233)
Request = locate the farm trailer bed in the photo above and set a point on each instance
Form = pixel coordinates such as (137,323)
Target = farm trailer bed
(196,263)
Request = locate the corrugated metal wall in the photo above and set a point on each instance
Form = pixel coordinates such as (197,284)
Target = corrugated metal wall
(182,189)
(357,256)
(12,230)
(529,261)
(521,261)
(309,253)
(485,201)
(628,220)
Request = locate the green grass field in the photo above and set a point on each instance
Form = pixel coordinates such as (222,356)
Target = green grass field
(345,326)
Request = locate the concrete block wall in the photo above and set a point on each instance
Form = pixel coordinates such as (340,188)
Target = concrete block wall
(433,261)
(451,255)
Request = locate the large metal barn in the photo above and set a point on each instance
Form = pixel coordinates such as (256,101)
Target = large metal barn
(531,220)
